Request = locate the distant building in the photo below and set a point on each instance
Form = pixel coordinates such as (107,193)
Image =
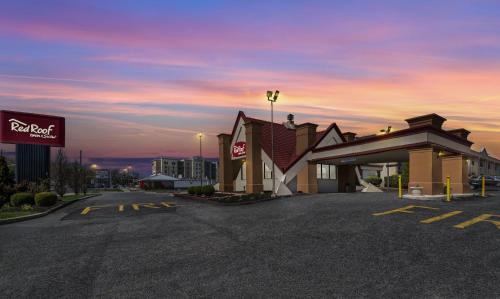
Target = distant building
(157,181)
(102,178)
(197,167)
(481,163)
(193,168)
(156,166)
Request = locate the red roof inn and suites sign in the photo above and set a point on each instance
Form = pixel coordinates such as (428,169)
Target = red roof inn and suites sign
(239,149)
(29,128)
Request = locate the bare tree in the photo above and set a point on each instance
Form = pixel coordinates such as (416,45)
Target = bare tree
(83,180)
(75,177)
(60,173)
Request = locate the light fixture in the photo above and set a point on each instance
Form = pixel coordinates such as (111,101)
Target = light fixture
(271,97)
(385,131)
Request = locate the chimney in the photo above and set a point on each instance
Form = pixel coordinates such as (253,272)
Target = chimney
(349,136)
(289,124)
(305,136)
(433,120)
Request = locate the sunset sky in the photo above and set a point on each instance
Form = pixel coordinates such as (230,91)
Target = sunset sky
(141,78)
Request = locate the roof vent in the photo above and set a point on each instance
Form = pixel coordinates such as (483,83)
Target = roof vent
(289,124)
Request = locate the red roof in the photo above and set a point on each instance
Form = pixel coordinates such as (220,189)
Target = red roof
(284,141)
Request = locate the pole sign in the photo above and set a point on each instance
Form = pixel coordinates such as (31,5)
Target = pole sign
(29,128)
(239,149)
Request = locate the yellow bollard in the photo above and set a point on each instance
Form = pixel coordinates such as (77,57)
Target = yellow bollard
(483,187)
(400,185)
(448,191)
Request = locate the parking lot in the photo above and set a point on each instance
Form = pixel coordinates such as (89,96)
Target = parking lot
(131,245)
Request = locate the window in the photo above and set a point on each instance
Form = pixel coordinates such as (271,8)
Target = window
(326,172)
(333,172)
(268,174)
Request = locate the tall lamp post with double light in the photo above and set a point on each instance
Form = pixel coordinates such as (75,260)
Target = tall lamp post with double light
(272,98)
(200,136)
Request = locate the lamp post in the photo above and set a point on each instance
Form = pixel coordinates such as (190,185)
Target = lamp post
(200,135)
(272,98)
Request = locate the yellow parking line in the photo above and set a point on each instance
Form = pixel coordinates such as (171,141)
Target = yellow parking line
(441,217)
(120,208)
(168,204)
(85,211)
(136,206)
(149,205)
(92,208)
(403,210)
(482,218)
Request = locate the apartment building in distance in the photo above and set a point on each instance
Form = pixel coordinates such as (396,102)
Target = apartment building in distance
(183,168)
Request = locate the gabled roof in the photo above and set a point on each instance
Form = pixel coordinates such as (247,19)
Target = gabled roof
(484,152)
(285,154)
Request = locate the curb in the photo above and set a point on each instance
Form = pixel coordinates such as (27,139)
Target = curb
(38,215)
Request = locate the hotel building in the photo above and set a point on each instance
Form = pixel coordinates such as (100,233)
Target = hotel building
(311,161)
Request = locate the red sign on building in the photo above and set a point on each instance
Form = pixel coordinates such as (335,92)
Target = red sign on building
(239,149)
(29,128)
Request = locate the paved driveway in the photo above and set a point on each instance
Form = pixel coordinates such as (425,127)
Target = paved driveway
(330,245)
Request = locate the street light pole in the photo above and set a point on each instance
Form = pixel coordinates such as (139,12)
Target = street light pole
(201,162)
(272,99)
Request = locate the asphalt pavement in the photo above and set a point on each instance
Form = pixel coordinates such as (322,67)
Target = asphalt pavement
(143,245)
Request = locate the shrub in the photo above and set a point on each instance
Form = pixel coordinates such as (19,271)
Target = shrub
(374,180)
(45,199)
(8,208)
(198,190)
(22,198)
(393,181)
(27,208)
(3,199)
(208,190)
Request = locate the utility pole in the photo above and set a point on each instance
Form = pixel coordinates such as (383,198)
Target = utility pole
(80,173)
